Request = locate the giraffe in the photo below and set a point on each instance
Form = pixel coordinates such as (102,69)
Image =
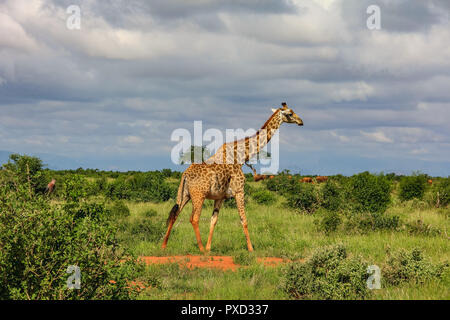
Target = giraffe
(50,186)
(221,177)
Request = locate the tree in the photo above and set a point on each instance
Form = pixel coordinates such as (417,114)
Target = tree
(29,170)
(201,153)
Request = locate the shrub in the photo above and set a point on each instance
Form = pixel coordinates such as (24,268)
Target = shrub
(40,241)
(369,192)
(418,227)
(441,193)
(330,221)
(304,199)
(28,170)
(151,186)
(231,202)
(371,221)
(119,209)
(118,189)
(145,230)
(412,187)
(264,197)
(94,211)
(283,184)
(332,196)
(74,188)
(328,274)
(403,266)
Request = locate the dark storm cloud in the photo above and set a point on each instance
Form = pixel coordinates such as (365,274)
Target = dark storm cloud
(120,13)
(139,69)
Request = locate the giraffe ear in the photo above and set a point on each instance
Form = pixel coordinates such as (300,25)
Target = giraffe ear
(274,110)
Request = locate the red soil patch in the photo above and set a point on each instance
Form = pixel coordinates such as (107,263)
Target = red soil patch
(219,262)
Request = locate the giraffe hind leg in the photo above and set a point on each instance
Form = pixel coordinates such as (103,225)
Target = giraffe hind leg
(214,218)
(197,203)
(241,208)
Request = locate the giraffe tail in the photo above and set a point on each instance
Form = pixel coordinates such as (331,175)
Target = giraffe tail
(173,213)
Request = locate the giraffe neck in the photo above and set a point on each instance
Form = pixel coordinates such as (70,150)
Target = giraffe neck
(241,151)
(263,136)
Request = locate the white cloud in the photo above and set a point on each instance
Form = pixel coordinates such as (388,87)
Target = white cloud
(132,139)
(377,136)
(419,151)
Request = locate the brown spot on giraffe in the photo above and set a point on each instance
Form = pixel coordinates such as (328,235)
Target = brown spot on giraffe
(221,180)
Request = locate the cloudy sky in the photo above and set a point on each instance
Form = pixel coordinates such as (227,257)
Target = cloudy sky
(110,94)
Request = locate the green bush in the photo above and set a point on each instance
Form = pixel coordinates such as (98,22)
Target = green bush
(231,202)
(264,197)
(119,189)
(283,184)
(305,199)
(332,196)
(28,170)
(74,188)
(412,187)
(328,274)
(149,186)
(144,230)
(330,221)
(441,193)
(369,192)
(403,266)
(371,221)
(418,227)
(95,211)
(119,209)
(39,242)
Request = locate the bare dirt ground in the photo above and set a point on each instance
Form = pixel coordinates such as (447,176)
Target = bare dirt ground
(219,262)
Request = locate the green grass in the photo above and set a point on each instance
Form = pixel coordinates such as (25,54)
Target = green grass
(277,231)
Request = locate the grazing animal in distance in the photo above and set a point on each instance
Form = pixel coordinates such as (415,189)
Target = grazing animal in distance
(50,186)
(307,180)
(256,177)
(430,182)
(221,177)
(321,179)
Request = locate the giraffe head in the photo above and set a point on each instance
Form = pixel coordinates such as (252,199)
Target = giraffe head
(288,115)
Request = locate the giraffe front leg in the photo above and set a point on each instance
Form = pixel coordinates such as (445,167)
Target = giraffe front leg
(214,218)
(241,208)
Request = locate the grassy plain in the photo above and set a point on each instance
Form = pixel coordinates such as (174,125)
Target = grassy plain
(275,231)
